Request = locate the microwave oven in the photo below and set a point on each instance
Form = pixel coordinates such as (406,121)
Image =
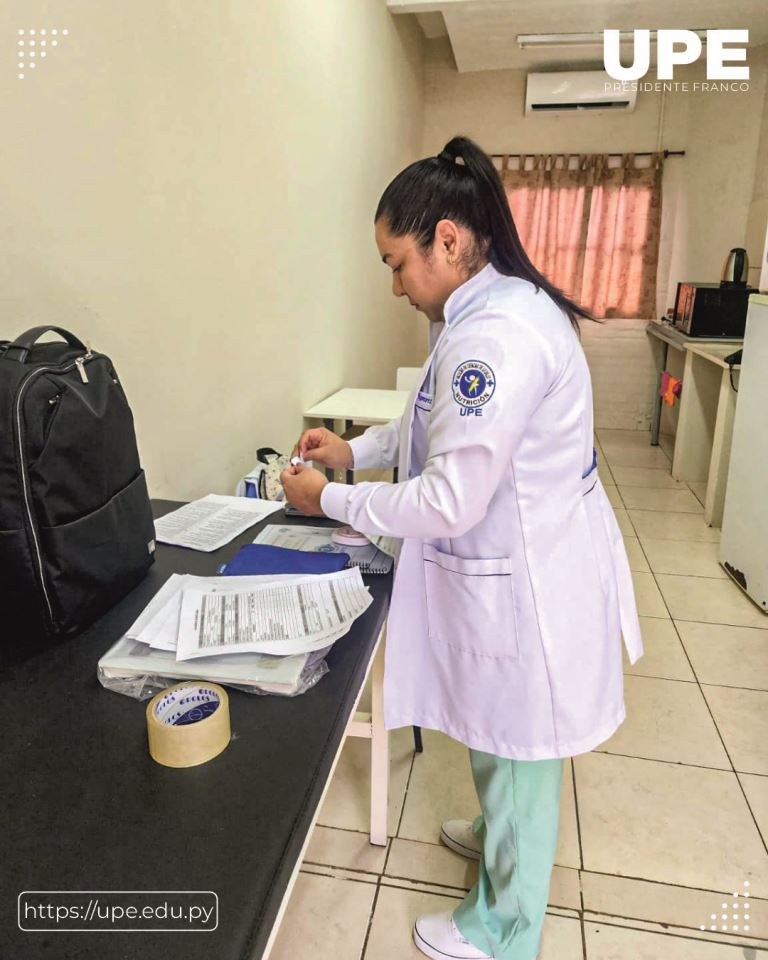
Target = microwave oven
(711,310)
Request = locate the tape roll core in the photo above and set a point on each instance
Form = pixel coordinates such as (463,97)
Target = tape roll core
(188,724)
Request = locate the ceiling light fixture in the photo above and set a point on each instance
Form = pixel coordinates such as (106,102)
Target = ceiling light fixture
(538,41)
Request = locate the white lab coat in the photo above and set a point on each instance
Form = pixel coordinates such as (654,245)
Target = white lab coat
(512,587)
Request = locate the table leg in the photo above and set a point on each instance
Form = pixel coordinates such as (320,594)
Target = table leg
(350,474)
(656,416)
(695,422)
(329,425)
(379,753)
(714,501)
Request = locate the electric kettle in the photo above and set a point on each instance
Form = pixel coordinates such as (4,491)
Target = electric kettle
(735,268)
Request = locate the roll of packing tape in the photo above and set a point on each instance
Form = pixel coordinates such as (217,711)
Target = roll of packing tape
(188,724)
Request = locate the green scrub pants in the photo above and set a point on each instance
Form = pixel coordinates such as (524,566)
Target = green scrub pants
(503,914)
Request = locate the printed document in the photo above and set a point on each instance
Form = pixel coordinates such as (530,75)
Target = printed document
(373,557)
(286,618)
(212,521)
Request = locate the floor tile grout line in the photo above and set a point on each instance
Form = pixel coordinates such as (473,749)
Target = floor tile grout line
(696,576)
(330,826)
(458,893)
(366,938)
(714,623)
(396,835)
(583,937)
(704,683)
(674,763)
(691,576)
(576,811)
(721,942)
(677,926)
(340,866)
(751,811)
(670,539)
(653,676)
(580,868)
(318,872)
(668,883)
(733,686)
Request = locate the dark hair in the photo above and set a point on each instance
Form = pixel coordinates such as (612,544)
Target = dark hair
(469,193)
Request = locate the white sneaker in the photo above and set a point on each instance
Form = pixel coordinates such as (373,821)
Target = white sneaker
(457,834)
(437,936)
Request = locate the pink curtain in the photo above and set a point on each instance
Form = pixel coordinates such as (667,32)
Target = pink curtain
(592,230)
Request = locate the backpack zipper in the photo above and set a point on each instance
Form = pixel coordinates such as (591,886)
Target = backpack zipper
(79,363)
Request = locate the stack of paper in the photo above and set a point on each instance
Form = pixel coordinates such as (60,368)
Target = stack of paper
(256,630)
(131,658)
(212,521)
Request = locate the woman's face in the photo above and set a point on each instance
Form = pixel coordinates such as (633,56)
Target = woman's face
(428,278)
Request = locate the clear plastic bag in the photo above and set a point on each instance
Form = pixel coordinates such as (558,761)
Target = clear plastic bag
(145,686)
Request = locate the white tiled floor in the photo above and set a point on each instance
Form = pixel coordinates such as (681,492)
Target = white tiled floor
(659,826)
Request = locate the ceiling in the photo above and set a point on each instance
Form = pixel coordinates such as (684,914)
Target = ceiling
(483,33)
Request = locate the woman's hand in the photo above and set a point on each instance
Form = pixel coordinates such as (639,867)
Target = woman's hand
(303,487)
(322,446)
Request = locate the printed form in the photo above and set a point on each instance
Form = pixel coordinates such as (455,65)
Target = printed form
(211,522)
(285,618)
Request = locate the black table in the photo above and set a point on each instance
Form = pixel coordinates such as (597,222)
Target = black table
(86,808)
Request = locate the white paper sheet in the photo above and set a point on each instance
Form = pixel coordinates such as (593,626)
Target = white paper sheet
(212,521)
(278,618)
(371,558)
(158,624)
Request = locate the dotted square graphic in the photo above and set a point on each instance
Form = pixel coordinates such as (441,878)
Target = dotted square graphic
(735,906)
(34,44)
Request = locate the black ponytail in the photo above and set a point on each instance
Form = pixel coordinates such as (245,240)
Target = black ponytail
(470,193)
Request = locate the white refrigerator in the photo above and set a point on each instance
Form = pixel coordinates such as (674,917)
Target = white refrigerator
(744,539)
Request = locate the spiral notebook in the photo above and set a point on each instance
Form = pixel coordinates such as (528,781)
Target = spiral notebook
(372,558)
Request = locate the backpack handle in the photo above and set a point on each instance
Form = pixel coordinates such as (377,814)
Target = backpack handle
(25,341)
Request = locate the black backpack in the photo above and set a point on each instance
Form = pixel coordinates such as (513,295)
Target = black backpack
(76,529)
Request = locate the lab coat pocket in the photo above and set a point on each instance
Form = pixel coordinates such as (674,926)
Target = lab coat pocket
(471,604)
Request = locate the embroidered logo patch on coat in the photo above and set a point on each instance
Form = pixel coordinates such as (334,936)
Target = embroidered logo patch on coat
(473,383)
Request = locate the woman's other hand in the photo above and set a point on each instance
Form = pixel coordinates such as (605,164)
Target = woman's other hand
(303,487)
(324,447)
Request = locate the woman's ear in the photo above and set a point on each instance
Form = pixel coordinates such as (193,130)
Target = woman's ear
(448,241)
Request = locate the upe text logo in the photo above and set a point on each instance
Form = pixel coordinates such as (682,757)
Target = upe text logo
(688,50)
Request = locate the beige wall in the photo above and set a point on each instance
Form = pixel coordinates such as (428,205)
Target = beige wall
(707,193)
(190,186)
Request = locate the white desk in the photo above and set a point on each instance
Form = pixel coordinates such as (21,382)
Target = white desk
(360,406)
(705,425)
(669,336)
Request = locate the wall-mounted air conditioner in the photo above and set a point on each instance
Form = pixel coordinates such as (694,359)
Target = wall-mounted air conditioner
(577,91)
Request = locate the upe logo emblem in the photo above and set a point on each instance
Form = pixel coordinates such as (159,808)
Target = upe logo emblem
(688,50)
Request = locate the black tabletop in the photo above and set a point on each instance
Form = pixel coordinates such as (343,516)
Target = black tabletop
(86,808)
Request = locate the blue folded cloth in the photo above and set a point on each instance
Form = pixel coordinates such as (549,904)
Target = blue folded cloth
(261,558)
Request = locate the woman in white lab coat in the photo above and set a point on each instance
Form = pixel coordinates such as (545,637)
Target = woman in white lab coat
(512,586)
